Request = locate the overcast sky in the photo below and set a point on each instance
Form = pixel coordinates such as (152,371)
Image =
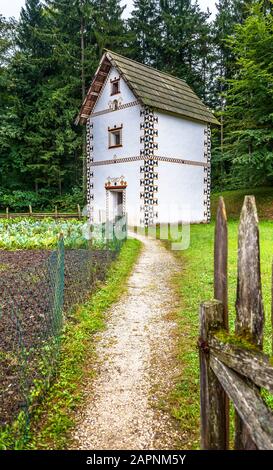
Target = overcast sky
(13,7)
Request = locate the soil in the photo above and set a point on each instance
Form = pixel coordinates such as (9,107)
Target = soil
(28,322)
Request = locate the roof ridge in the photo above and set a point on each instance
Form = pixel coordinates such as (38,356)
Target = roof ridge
(147,66)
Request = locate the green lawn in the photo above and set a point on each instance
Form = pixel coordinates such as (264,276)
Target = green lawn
(234,201)
(195,285)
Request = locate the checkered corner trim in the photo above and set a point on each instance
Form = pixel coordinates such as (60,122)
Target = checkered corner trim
(207,173)
(90,169)
(149,176)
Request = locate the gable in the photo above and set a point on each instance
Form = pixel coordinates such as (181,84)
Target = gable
(106,99)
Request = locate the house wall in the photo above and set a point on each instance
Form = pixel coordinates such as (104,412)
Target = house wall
(125,96)
(180,138)
(183,189)
(129,118)
(180,191)
(130,171)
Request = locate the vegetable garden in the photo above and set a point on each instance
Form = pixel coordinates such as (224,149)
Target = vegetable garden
(41,280)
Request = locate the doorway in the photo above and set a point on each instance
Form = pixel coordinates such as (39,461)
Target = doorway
(117,198)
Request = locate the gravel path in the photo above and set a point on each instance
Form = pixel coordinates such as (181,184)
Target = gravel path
(126,404)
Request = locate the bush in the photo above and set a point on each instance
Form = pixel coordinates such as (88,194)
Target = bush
(44,200)
(69,201)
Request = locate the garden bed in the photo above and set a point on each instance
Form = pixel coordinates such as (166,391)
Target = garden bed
(28,329)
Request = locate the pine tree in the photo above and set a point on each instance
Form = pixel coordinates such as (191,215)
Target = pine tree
(249,141)
(7,128)
(230,13)
(185,42)
(108,26)
(145,33)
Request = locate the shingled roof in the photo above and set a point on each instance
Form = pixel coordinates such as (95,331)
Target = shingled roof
(151,87)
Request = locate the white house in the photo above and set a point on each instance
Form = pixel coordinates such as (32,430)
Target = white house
(148,145)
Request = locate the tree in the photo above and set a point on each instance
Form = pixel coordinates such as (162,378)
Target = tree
(145,32)
(249,117)
(108,26)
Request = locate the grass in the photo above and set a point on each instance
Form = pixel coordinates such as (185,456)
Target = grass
(54,417)
(195,284)
(234,201)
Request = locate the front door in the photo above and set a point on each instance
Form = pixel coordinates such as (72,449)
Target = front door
(117,204)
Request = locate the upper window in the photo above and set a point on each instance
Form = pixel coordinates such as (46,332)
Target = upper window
(115,137)
(115,86)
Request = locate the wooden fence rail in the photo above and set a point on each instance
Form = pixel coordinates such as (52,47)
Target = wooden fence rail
(232,365)
(42,215)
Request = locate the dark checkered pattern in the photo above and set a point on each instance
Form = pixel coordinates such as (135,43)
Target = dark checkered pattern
(148,172)
(207,174)
(90,170)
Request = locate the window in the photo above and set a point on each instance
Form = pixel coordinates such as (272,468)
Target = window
(115,86)
(115,104)
(115,137)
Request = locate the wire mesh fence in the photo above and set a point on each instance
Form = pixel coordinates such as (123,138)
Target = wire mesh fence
(38,289)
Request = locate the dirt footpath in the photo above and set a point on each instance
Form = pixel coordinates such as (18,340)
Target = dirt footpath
(126,404)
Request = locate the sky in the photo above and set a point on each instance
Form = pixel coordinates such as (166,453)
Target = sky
(13,7)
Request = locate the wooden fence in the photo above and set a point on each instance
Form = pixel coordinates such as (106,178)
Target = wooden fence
(233,366)
(42,215)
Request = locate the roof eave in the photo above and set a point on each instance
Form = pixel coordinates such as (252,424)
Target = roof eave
(212,121)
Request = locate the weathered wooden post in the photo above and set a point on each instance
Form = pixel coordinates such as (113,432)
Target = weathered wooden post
(30,210)
(249,305)
(212,396)
(221,258)
(79,211)
(221,278)
(56,212)
(7,212)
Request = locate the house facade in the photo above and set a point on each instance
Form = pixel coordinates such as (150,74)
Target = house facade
(148,146)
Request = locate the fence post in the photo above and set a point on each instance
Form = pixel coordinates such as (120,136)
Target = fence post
(79,212)
(249,304)
(7,212)
(56,212)
(30,210)
(221,276)
(221,258)
(212,396)
(59,286)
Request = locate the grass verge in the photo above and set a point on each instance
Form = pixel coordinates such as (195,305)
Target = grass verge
(195,284)
(54,417)
(234,201)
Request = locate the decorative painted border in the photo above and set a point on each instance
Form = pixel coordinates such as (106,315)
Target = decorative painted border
(90,171)
(180,161)
(207,174)
(149,176)
(122,106)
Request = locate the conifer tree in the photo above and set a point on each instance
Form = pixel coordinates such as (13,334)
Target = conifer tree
(249,141)
(145,32)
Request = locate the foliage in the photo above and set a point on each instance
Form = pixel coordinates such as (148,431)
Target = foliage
(44,199)
(181,43)
(58,44)
(18,234)
(247,155)
(48,58)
